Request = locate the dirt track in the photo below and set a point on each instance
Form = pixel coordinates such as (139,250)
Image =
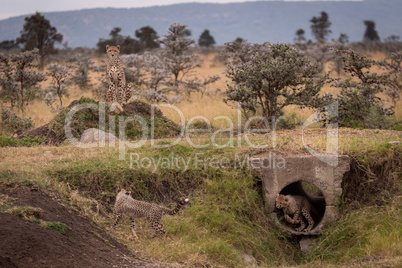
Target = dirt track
(26,244)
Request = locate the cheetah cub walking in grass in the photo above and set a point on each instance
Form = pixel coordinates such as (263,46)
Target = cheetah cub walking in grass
(116,77)
(126,205)
(297,206)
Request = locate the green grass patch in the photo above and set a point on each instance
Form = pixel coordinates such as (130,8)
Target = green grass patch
(102,178)
(9,177)
(30,213)
(26,212)
(23,142)
(56,226)
(367,232)
(225,221)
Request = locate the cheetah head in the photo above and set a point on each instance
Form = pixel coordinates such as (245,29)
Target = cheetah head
(113,51)
(281,201)
(124,192)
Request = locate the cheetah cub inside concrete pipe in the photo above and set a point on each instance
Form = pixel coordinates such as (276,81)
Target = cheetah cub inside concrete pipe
(298,206)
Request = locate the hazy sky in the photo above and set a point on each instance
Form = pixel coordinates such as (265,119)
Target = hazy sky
(10,8)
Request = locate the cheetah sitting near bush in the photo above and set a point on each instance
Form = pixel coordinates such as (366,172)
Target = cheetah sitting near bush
(116,77)
(297,206)
(126,205)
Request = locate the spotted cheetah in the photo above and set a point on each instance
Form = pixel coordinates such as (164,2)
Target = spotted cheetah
(116,77)
(126,205)
(297,206)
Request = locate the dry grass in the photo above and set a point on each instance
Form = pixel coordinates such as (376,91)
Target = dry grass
(191,241)
(209,105)
(36,159)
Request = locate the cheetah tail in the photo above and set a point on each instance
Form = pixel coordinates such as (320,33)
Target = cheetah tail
(178,207)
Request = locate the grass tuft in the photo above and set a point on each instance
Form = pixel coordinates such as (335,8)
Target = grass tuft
(56,226)
(24,142)
(367,232)
(29,213)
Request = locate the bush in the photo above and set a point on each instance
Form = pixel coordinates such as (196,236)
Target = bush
(14,122)
(359,104)
(269,77)
(19,79)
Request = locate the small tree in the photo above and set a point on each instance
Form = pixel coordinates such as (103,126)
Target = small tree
(206,39)
(130,46)
(180,63)
(300,38)
(82,65)
(186,33)
(370,34)
(9,87)
(392,38)
(359,103)
(338,44)
(159,75)
(127,44)
(115,34)
(175,53)
(8,44)
(147,37)
(239,40)
(321,52)
(158,78)
(269,77)
(115,39)
(12,121)
(134,69)
(18,78)
(38,33)
(343,38)
(320,27)
(393,64)
(59,80)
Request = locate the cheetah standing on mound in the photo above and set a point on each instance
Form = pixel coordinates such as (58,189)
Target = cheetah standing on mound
(126,205)
(297,206)
(116,77)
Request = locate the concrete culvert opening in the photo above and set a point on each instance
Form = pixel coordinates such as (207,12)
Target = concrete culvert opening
(313,194)
(319,179)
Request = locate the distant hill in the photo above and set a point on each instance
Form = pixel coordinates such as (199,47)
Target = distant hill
(273,21)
